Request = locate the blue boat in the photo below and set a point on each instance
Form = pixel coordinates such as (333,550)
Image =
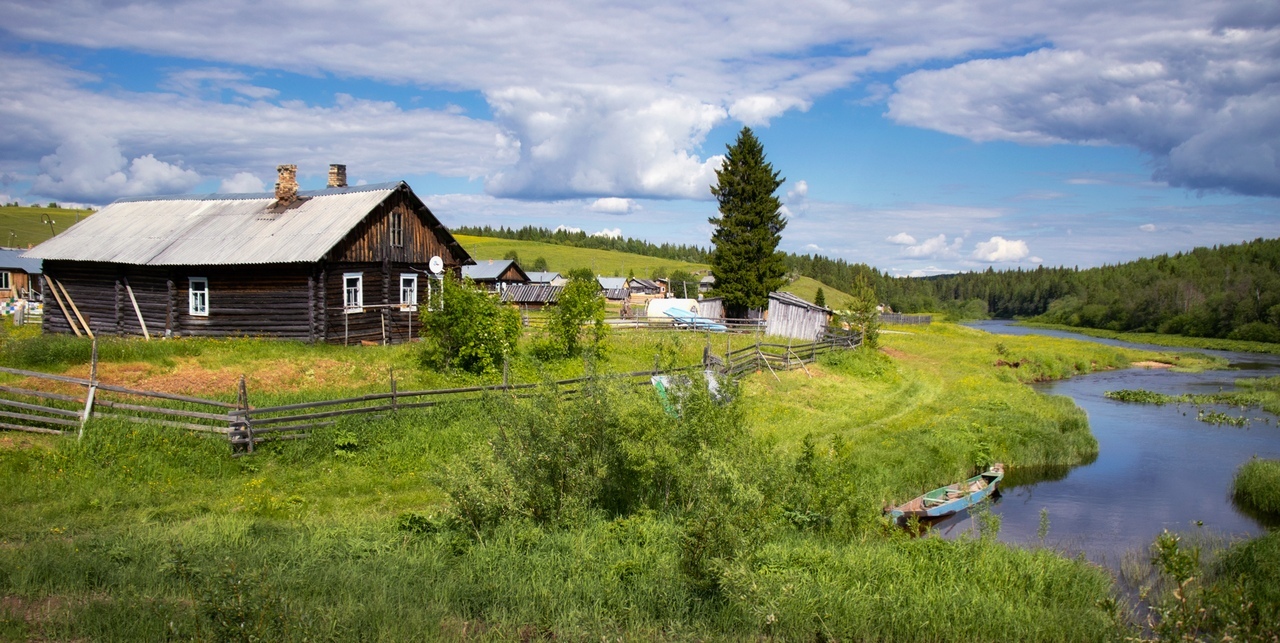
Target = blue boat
(687,319)
(947,500)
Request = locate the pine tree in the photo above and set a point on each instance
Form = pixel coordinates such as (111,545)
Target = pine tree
(745,262)
(820,299)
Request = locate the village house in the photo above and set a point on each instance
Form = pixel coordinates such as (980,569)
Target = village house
(18,276)
(340,265)
(495,275)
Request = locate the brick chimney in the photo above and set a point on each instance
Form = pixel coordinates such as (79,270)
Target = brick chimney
(287,184)
(337,176)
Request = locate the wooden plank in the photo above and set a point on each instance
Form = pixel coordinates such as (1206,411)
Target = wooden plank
(40,418)
(292,427)
(29,429)
(75,310)
(220,417)
(58,298)
(49,396)
(257,421)
(163,396)
(37,407)
(136,310)
(180,425)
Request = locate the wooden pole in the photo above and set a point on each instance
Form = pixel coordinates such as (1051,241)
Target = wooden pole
(244,405)
(393,388)
(137,310)
(88,331)
(93,389)
(62,307)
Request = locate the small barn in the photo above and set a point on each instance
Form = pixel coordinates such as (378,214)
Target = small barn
(615,288)
(341,265)
(19,276)
(532,296)
(495,275)
(791,316)
(645,287)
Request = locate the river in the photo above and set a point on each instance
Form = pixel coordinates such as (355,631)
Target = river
(1158,467)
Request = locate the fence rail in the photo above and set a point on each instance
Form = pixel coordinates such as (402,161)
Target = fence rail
(47,403)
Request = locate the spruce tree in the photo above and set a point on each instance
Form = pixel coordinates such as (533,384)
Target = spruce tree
(820,299)
(746,262)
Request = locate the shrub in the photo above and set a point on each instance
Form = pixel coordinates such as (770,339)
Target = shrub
(579,312)
(472,330)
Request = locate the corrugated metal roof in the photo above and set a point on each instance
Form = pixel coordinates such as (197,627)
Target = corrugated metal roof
(612,283)
(489,270)
(13,259)
(532,294)
(542,277)
(217,229)
(788,298)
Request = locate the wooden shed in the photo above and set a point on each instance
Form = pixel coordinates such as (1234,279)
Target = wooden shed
(791,316)
(339,265)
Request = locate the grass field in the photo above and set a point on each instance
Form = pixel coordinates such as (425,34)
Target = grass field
(21,226)
(538,519)
(1159,339)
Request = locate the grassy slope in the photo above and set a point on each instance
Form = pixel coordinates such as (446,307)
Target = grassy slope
(1159,339)
(25,223)
(96,535)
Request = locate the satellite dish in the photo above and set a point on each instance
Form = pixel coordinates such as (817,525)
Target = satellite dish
(436,264)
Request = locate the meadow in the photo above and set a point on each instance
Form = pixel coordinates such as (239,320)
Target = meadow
(21,226)
(549,518)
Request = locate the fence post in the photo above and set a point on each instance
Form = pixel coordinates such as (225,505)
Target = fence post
(394,406)
(506,372)
(244,406)
(93,389)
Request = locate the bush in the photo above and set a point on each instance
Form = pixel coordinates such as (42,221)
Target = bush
(472,330)
(579,311)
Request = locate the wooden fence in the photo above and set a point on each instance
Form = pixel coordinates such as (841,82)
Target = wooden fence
(898,318)
(58,404)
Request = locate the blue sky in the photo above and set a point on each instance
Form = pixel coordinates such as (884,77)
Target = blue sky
(916,137)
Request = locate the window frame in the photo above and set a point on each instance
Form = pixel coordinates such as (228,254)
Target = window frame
(194,307)
(395,226)
(6,280)
(412,304)
(347,305)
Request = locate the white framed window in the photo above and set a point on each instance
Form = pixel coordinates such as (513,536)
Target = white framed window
(5,281)
(435,293)
(198,296)
(353,292)
(408,291)
(396,221)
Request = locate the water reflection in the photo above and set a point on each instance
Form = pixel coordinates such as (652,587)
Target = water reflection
(1158,467)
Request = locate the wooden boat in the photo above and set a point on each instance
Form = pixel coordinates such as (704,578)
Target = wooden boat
(947,500)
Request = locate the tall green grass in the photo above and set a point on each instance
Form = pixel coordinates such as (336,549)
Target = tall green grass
(1257,487)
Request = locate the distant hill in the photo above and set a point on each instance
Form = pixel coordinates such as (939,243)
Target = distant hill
(21,226)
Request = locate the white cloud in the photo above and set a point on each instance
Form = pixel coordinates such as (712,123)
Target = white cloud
(615,233)
(935,247)
(760,109)
(605,141)
(91,167)
(902,239)
(201,81)
(1001,250)
(242,183)
(1147,227)
(569,229)
(613,205)
(799,191)
(1201,102)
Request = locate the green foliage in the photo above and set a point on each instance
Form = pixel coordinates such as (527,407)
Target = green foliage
(576,323)
(820,299)
(472,331)
(512,255)
(683,285)
(539,265)
(745,262)
(1257,486)
(862,314)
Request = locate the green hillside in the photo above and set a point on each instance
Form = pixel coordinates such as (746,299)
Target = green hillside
(21,226)
(561,258)
(565,258)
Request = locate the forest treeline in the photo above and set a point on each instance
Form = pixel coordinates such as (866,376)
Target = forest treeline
(1229,291)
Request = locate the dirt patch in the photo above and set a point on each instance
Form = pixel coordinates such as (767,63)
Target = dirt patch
(22,442)
(187,376)
(32,611)
(892,352)
(1150,364)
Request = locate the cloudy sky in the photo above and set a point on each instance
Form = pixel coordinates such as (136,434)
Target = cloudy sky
(918,137)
